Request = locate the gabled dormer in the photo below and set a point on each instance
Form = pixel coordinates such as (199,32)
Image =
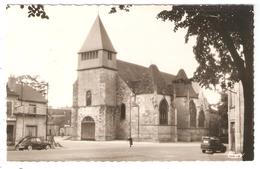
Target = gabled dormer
(97,51)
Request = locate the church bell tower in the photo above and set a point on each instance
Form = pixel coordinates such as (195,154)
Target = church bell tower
(96,90)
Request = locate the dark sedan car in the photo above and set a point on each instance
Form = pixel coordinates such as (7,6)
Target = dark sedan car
(212,144)
(31,143)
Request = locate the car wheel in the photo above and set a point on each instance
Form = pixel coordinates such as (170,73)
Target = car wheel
(203,151)
(223,150)
(47,147)
(29,147)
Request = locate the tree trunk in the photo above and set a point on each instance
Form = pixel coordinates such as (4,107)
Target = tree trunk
(248,88)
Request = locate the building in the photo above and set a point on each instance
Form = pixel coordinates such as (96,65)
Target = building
(114,99)
(59,121)
(236,118)
(26,112)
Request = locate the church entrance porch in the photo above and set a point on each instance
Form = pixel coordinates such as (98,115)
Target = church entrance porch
(88,128)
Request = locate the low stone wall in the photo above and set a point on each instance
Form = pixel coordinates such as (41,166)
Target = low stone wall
(147,133)
(191,134)
(165,133)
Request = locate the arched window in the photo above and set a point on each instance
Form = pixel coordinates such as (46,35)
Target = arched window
(201,118)
(88,98)
(122,108)
(193,114)
(163,110)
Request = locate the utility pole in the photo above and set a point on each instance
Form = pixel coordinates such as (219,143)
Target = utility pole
(47,112)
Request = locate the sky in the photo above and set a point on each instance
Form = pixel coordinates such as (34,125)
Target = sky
(48,48)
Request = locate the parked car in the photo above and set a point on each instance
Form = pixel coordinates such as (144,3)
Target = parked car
(212,144)
(31,143)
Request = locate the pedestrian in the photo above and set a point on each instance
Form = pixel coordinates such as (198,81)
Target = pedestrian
(130,141)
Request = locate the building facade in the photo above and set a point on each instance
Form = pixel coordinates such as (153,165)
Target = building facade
(26,112)
(59,121)
(236,118)
(114,99)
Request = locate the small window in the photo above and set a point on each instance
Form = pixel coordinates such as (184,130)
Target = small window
(32,109)
(109,56)
(82,57)
(96,55)
(9,108)
(88,98)
(122,116)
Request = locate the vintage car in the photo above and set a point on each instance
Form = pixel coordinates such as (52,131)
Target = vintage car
(212,145)
(31,143)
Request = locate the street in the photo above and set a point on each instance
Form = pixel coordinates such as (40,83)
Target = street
(118,151)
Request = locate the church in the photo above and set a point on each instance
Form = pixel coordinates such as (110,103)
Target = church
(116,100)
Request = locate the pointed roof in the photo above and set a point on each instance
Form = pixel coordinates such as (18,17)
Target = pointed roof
(181,74)
(97,38)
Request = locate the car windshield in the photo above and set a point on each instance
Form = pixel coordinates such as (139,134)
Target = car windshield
(23,139)
(205,141)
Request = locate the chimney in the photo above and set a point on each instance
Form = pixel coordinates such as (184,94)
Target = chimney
(11,83)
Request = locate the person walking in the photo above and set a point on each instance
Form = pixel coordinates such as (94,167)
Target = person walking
(130,141)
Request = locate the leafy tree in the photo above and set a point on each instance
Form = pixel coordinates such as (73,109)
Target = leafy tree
(125,8)
(34,82)
(224,51)
(34,10)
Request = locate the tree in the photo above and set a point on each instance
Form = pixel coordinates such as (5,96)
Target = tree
(34,82)
(34,10)
(224,51)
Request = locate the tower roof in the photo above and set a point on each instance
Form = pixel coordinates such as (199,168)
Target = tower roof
(97,38)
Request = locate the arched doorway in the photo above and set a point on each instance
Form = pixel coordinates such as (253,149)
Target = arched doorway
(88,128)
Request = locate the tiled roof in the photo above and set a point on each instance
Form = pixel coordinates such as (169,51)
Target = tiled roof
(97,38)
(59,116)
(26,93)
(147,80)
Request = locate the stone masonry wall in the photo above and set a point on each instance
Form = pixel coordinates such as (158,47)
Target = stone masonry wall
(182,112)
(102,84)
(98,114)
(144,116)
(123,95)
(111,122)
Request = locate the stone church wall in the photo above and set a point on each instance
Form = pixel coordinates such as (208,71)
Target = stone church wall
(101,83)
(98,114)
(183,115)
(111,121)
(144,116)
(123,94)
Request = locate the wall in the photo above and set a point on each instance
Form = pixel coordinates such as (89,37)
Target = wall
(144,116)
(23,121)
(191,134)
(23,107)
(123,94)
(111,122)
(183,115)
(98,114)
(236,115)
(102,84)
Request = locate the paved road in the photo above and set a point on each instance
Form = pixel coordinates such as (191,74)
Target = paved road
(117,151)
